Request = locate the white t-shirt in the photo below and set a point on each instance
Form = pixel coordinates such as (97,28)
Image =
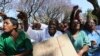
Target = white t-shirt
(44,35)
(33,34)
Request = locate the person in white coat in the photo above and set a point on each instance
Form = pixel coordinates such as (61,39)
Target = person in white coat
(50,31)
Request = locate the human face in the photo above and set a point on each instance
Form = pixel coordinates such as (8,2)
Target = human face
(8,26)
(91,24)
(75,25)
(52,27)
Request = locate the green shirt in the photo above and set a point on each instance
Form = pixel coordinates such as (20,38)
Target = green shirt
(10,47)
(80,40)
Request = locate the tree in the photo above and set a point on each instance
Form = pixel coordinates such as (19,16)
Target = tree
(55,9)
(4,5)
(96,10)
(43,10)
(29,6)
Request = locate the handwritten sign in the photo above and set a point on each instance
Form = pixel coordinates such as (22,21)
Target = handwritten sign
(55,46)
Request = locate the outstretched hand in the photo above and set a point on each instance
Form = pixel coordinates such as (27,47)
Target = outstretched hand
(3,15)
(22,15)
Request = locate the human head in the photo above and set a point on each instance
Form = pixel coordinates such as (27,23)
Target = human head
(65,23)
(75,25)
(63,26)
(90,24)
(10,24)
(53,25)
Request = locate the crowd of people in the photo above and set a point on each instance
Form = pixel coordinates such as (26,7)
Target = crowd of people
(14,41)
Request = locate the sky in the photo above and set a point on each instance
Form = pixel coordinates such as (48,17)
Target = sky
(12,13)
(83,4)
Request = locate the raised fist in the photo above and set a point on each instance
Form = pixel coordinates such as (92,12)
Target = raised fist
(75,7)
(22,15)
(4,16)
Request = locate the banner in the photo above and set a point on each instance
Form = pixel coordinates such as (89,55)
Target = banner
(55,46)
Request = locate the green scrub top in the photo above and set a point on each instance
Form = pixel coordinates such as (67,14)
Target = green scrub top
(10,47)
(80,41)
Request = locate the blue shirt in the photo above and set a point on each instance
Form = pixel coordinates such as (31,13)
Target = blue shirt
(94,36)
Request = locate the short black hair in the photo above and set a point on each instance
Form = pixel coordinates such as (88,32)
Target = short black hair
(54,20)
